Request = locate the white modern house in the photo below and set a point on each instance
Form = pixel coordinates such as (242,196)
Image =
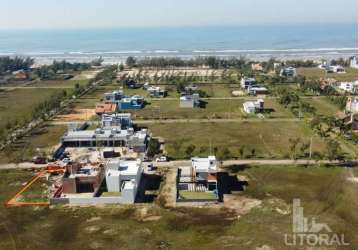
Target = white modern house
(252,107)
(118,120)
(352,105)
(354,62)
(350,87)
(123,176)
(289,72)
(336,69)
(247,82)
(116,131)
(189,101)
(156,91)
(113,97)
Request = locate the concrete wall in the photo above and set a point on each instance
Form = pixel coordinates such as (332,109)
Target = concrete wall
(123,199)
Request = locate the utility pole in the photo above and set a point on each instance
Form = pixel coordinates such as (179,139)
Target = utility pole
(311,147)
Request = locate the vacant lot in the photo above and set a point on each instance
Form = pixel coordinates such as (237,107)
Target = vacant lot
(268,139)
(18,104)
(323,106)
(323,192)
(316,73)
(41,139)
(225,109)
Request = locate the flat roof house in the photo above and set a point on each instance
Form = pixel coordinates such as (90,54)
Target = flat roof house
(189,101)
(113,97)
(352,105)
(336,69)
(123,176)
(354,62)
(247,82)
(288,72)
(257,90)
(252,107)
(118,120)
(116,131)
(156,92)
(84,184)
(134,102)
(198,182)
(350,87)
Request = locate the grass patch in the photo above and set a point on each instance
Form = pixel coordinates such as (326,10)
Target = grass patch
(43,138)
(322,105)
(188,195)
(214,109)
(316,73)
(269,139)
(323,193)
(111,194)
(18,104)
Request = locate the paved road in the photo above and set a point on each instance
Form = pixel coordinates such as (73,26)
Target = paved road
(251,162)
(191,121)
(28,165)
(34,87)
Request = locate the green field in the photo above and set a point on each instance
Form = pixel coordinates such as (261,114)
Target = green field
(269,139)
(323,106)
(219,109)
(323,192)
(189,195)
(18,104)
(316,73)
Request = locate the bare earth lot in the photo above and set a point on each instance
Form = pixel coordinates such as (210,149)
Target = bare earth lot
(323,192)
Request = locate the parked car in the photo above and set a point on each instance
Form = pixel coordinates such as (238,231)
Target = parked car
(162,159)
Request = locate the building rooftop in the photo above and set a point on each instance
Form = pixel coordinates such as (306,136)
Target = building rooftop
(204,164)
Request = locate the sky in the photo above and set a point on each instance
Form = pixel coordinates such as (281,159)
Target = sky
(43,14)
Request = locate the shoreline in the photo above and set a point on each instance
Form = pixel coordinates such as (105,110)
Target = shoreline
(110,60)
(116,57)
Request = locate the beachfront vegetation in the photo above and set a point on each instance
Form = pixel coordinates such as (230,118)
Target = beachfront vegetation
(9,64)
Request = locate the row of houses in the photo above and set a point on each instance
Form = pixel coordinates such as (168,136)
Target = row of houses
(117,101)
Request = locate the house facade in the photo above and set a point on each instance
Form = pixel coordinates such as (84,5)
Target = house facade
(354,62)
(288,72)
(189,101)
(352,105)
(247,82)
(252,107)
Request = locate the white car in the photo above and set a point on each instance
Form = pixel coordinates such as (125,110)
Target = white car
(162,159)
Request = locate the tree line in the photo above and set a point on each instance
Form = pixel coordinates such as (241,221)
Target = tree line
(8,64)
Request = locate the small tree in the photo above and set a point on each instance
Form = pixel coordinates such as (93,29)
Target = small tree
(333,150)
(153,147)
(293,147)
(190,150)
(253,152)
(242,151)
(130,62)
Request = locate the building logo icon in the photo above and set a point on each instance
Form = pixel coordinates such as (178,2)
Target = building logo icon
(300,224)
(310,233)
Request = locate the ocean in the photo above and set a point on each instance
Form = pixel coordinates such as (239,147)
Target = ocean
(115,45)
